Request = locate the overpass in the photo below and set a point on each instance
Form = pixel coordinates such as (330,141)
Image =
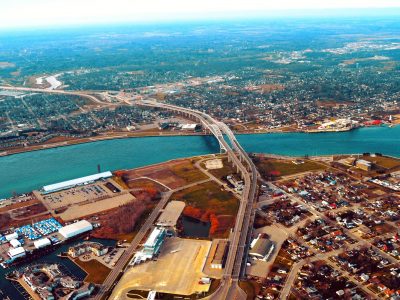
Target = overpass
(241,234)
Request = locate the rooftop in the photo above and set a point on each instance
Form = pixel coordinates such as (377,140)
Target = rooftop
(71,183)
(171,213)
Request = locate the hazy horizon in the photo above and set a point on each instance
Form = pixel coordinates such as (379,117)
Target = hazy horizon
(17,14)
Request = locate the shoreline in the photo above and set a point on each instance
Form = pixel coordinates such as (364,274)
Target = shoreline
(4,153)
(217,155)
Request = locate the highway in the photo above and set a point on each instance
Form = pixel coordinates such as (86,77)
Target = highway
(60,92)
(240,236)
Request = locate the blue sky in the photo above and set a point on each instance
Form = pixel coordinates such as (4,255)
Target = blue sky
(33,13)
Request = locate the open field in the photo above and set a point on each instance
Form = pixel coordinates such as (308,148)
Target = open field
(209,196)
(226,170)
(96,271)
(172,174)
(144,183)
(281,167)
(78,211)
(174,273)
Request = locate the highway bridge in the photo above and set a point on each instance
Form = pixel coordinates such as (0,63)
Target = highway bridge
(241,233)
(239,239)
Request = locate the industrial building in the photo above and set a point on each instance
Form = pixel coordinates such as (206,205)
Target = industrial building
(169,217)
(75,229)
(261,248)
(11,236)
(14,253)
(15,243)
(218,260)
(42,243)
(75,182)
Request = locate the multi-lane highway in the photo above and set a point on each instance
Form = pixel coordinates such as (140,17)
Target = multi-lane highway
(240,236)
(241,233)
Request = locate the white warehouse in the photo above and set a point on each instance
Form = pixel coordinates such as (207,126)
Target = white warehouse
(42,243)
(75,229)
(74,182)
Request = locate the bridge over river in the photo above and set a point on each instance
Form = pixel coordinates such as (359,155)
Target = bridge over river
(239,238)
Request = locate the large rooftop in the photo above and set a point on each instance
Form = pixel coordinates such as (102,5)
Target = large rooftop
(74,182)
(171,213)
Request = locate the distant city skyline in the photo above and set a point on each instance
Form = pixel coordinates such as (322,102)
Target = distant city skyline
(27,13)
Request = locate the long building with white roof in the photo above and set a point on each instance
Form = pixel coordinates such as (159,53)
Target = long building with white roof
(74,182)
(75,229)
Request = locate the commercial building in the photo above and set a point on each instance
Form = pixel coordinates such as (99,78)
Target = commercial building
(74,182)
(261,248)
(42,243)
(14,253)
(152,245)
(154,242)
(87,247)
(75,229)
(171,214)
(218,260)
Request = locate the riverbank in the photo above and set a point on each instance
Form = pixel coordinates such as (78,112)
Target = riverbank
(70,142)
(143,134)
(27,171)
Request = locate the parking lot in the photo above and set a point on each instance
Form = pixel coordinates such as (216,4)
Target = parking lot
(77,195)
(177,270)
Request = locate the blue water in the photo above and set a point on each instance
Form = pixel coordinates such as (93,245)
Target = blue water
(9,288)
(31,170)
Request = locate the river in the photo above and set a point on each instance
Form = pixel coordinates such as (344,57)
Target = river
(31,170)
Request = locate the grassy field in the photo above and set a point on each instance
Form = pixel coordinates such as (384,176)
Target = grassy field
(144,183)
(286,167)
(188,172)
(209,195)
(96,271)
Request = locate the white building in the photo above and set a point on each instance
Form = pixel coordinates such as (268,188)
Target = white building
(15,243)
(75,229)
(16,252)
(74,182)
(42,243)
(11,236)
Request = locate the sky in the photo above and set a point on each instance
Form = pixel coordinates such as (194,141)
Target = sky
(37,13)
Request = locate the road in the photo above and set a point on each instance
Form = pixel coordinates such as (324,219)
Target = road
(62,92)
(120,265)
(241,233)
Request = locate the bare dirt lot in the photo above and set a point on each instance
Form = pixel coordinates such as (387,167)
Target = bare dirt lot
(81,210)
